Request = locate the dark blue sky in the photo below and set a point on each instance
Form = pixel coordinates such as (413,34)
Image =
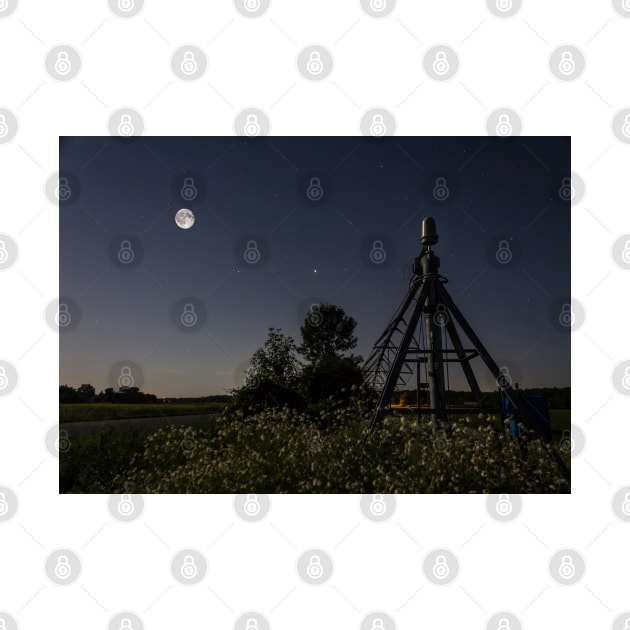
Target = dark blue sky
(306,251)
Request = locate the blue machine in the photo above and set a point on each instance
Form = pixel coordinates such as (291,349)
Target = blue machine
(537,405)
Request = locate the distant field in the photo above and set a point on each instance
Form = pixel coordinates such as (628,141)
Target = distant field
(111,411)
(560,420)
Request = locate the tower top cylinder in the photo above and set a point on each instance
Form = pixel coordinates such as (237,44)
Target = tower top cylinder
(429,232)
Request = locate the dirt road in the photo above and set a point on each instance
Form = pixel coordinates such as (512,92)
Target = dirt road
(82,429)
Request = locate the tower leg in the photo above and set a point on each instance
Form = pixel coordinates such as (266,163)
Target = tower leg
(435,365)
(401,353)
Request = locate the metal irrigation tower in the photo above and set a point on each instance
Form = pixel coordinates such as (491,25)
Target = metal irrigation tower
(418,335)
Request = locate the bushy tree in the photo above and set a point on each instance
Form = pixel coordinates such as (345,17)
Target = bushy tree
(327,332)
(272,377)
(263,394)
(330,376)
(276,361)
(86,392)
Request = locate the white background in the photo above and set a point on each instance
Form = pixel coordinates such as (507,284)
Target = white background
(252,63)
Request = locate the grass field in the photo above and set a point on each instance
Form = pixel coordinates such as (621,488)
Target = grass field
(110,411)
(560,420)
(282,451)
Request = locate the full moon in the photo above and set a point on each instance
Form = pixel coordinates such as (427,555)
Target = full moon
(184,218)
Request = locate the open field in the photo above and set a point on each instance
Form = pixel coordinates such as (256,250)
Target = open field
(112,411)
(278,451)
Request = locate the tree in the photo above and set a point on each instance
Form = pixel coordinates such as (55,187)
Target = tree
(327,332)
(67,394)
(330,376)
(86,392)
(276,361)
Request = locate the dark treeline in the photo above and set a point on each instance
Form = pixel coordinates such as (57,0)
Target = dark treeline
(219,398)
(557,397)
(126,395)
(87,394)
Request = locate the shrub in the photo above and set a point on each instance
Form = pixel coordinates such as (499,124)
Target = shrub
(279,451)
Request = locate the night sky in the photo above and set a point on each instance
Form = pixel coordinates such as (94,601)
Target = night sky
(307,250)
